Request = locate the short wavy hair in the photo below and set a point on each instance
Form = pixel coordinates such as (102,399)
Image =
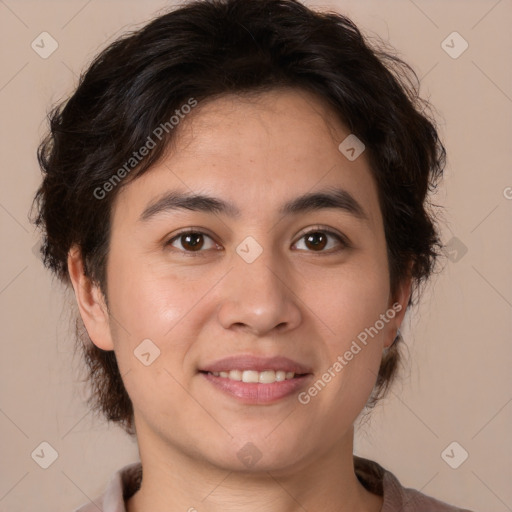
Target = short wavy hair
(206,49)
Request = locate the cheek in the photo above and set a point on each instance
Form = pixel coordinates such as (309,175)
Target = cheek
(149,302)
(352,305)
(353,300)
(153,303)
(148,309)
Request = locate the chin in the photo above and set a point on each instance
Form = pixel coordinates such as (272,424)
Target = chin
(259,454)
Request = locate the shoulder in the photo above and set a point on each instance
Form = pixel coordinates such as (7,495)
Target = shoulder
(123,484)
(396,497)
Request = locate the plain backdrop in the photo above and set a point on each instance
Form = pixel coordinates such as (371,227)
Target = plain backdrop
(456,385)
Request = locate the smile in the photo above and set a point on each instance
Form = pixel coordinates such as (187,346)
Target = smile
(254,392)
(265,377)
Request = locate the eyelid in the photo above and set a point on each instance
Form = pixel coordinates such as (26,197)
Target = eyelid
(186,231)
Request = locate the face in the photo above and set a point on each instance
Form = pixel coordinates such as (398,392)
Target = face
(278,276)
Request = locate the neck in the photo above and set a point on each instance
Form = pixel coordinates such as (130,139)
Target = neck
(173,480)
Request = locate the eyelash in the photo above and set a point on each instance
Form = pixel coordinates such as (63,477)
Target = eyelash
(318,229)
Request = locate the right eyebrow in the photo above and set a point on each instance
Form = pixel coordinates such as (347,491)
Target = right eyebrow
(175,200)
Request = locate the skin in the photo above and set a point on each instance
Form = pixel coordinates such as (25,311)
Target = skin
(295,299)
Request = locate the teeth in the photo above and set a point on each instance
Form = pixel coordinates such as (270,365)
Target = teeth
(250,376)
(265,377)
(280,376)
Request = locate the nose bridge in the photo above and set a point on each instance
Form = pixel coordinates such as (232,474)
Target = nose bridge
(258,261)
(263,277)
(257,293)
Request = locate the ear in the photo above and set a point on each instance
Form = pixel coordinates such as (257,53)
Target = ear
(91,303)
(399,304)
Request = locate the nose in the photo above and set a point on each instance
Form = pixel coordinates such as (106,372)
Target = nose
(259,297)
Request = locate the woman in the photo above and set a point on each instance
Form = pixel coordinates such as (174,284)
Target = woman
(237,193)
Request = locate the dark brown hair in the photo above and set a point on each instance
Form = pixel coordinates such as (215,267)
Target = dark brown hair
(209,48)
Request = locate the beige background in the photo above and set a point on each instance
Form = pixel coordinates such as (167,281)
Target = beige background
(457,385)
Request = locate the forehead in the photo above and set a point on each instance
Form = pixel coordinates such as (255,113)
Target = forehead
(254,150)
(277,119)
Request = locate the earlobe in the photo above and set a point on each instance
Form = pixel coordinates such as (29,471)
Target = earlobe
(91,302)
(398,304)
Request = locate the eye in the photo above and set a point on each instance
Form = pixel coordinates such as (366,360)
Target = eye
(191,241)
(318,239)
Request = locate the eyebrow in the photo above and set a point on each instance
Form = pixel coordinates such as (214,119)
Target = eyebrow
(337,198)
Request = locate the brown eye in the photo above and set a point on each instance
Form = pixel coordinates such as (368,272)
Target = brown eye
(191,241)
(318,240)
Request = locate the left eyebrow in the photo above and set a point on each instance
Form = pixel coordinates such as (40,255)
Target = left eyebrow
(330,198)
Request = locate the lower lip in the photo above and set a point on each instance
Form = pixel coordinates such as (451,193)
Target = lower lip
(254,392)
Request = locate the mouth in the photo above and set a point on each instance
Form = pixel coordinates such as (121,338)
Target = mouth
(255,380)
(253,376)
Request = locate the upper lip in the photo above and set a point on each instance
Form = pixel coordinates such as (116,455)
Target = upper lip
(256,363)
